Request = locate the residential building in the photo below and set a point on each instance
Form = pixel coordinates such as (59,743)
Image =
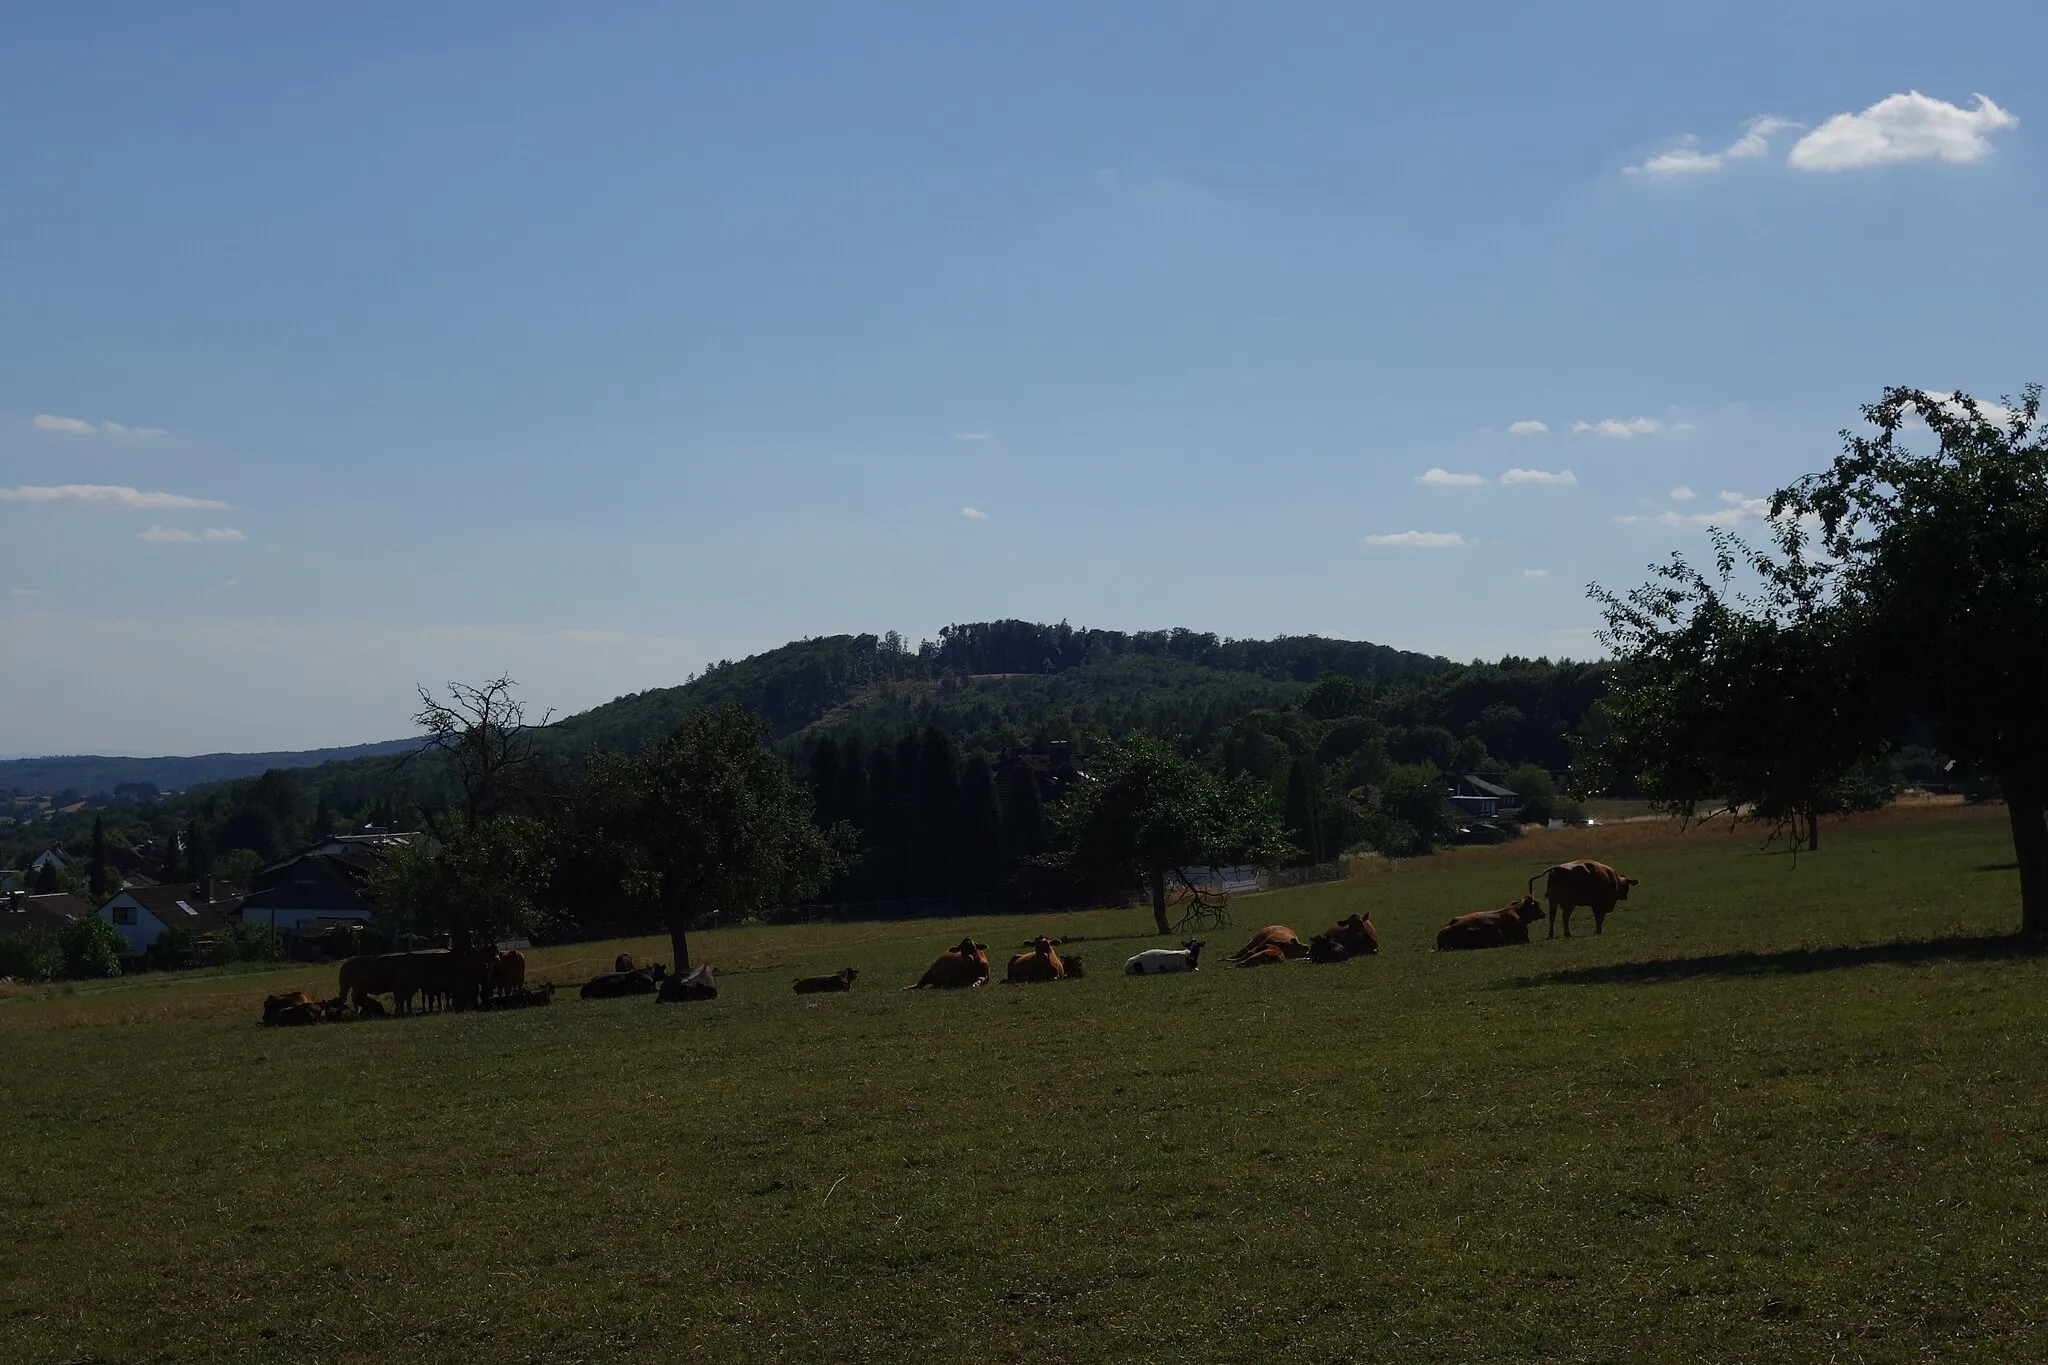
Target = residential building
(142,914)
(19,913)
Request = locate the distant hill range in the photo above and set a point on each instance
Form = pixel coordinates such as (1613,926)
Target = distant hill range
(987,684)
(91,774)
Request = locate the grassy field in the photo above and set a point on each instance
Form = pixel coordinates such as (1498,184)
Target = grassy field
(1782,1110)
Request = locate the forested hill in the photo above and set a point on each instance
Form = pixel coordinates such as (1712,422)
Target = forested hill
(977,678)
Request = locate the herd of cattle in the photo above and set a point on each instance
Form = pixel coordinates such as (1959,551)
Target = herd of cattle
(492,979)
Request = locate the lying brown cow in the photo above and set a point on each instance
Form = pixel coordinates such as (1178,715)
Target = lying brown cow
(1042,963)
(1490,928)
(1278,937)
(274,1006)
(1585,882)
(1347,938)
(841,980)
(958,968)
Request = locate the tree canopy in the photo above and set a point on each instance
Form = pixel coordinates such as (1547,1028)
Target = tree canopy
(1147,816)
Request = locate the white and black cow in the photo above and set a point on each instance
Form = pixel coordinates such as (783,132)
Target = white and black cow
(1152,961)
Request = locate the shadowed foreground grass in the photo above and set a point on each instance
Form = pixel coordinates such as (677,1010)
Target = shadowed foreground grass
(1779,1111)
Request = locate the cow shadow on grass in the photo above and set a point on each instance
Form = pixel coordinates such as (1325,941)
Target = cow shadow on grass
(1793,961)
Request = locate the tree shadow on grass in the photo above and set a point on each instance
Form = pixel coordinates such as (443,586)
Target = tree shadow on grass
(1794,961)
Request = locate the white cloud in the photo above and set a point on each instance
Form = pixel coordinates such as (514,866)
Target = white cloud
(224,533)
(1737,510)
(23,592)
(1995,413)
(974,514)
(1444,478)
(171,535)
(1908,127)
(47,422)
(1682,494)
(1619,429)
(78,426)
(109,494)
(1543,476)
(973,435)
(1535,573)
(1688,159)
(1528,428)
(1420,540)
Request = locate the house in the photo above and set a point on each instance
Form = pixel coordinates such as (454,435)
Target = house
(1475,798)
(306,895)
(142,914)
(19,913)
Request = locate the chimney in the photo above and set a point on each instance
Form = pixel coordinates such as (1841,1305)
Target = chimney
(206,888)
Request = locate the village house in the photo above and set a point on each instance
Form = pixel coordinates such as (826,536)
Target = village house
(19,913)
(142,914)
(311,893)
(1475,798)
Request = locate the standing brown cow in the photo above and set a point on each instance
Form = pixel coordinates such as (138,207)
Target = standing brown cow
(1585,882)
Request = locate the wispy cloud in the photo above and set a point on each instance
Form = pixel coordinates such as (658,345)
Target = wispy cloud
(1736,508)
(45,421)
(78,426)
(171,535)
(974,435)
(1421,540)
(1688,159)
(1444,478)
(974,514)
(1682,494)
(104,494)
(1618,428)
(1535,573)
(1529,428)
(1908,127)
(24,592)
(1543,476)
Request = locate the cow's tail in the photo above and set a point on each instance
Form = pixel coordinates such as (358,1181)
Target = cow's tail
(1544,873)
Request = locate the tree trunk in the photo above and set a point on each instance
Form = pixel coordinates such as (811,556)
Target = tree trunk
(675,909)
(1159,901)
(2030,848)
(1813,831)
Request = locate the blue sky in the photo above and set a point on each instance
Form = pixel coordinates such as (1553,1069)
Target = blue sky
(594,343)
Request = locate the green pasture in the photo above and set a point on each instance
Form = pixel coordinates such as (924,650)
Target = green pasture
(1782,1110)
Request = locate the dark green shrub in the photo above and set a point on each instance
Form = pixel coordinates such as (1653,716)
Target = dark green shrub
(32,955)
(91,948)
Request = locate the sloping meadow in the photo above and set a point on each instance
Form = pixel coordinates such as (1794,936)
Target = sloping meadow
(1780,1110)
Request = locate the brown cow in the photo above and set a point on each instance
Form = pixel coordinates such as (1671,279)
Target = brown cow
(508,972)
(623,962)
(1355,935)
(1585,882)
(366,975)
(275,1005)
(1040,964)
(1276,936)
(841,980)
(1490,928)
(1272,955)
(958,968)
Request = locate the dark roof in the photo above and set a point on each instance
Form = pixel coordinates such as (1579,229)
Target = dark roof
(181,904)
(40,912)
(350,871)
(308,893)
(1481,787)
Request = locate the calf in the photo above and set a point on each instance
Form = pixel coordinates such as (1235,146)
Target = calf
(1040,964)
(1323,949)
(1152,961)
(841,980)
(1490,928)
(958,968)
(1278,937)
(1075,968)
(1270,955)
(524,998)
